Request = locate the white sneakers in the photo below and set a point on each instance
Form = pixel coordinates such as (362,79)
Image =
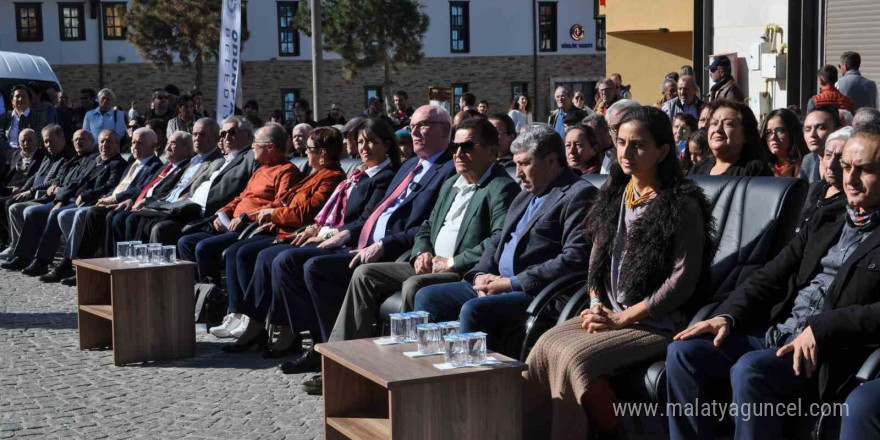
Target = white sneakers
(232,326)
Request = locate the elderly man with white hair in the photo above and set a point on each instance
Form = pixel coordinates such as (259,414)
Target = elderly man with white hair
(143,168)
(105,117)
(300,135)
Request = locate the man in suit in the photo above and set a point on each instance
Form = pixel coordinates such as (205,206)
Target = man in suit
(799,325)
(20,117)
(144,167)
(210,189)
(313,280)
(26,161)
(40,185)
(471,208)
(542,239)
(40,229)
(178,151)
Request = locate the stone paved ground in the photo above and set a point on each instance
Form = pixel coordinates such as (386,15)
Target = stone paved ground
(51,389)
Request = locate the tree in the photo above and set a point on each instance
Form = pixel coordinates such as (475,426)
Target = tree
(187,29)
(367,33)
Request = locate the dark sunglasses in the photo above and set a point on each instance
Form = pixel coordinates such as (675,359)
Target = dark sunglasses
(232,132)
(466,146)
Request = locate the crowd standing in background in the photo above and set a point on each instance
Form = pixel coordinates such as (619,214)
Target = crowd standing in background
(321,221)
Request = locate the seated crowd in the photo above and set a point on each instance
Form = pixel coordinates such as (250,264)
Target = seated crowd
(304,244)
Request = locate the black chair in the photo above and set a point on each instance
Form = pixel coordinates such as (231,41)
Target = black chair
(302,163)
(349,164)
(755,218)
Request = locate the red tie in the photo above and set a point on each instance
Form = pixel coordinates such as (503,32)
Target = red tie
(153,183)
(367,230)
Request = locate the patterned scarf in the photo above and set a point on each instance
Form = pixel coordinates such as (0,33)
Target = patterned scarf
(333,212)
(866,220)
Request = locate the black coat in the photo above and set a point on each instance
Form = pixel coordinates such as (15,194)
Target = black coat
(366,195)
(77,169)
(167,184)
(18,176)
(101,180)
(851,318)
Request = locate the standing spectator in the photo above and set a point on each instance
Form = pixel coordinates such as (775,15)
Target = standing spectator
(698,148)
(66,114)
(185,117)
(483,107)
(703,120)
(725,86)
(563,95)
(303,114)
(251,109)
(866,114)
(20,117)
(606,91)
(579,100)
(623,91)
(506,134)
(603,138)
(160,112)
(687,100)
(133,111)
(686,70)
(86,103)
(781,136)
(521,112)
(275,116)
(335,116)
(683,124)
(862,90)
(818,124)
(350,135)
(735,143)
(402,112)
(43,102)
(300,136)
(466,102)
(668,91)
(105,117)
(199,111)
(828,94)
(582,150)
(404,142)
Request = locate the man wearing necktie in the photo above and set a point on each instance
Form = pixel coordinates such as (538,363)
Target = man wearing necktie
(304,273)
(542,240)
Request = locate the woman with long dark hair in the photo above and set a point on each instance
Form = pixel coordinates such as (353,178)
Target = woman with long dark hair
(781,137)
(735,143)
(643,279)
(521,112)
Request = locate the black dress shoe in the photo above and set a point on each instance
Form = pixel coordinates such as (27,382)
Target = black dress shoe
(310,362)
(294,347)
(71,281)
(242,346)
(15,264)
(59,273)
(314,386)
(36,268)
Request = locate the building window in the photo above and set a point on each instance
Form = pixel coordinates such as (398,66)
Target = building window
(518,88)
(70,21)
(600,33)
(288,98)
(371,92)
(547,26)
(288,35)
(29,21)
(459,25)
(114,15)
(457,91)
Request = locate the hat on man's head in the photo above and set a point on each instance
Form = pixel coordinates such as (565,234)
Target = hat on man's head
(719,61)
(572,119)
(403,133)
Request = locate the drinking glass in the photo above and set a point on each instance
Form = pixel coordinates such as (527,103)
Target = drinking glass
(459,356)
(476,348)
(141,253)
(428,338)
(169,254)
(411,321)
(398,327)
(122,250)
(449,347)
(155,253)
(132,254)
(449,328)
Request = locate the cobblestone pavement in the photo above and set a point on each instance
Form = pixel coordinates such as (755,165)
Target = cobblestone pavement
(51,389)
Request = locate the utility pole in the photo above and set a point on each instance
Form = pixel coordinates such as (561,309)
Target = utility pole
(317,57)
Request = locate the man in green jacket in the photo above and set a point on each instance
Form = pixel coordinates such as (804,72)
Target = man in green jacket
(471,208)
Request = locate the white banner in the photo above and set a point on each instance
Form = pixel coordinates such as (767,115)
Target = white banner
(229,67)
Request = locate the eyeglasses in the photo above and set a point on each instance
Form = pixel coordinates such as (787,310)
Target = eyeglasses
(231,132)
(578,97)
(778,132)
(312,149)
(422,125)
(466,146)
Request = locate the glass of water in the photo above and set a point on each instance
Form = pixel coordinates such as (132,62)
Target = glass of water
(411,320)
(476,348)
(141,253)
(122,250)
(398,327)
(169,254)
(459,356)
(429,338)
(449,347)
(155,253)
(449,328)
(132,254)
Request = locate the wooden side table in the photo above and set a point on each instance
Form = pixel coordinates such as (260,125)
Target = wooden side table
(375,392)
(143,312)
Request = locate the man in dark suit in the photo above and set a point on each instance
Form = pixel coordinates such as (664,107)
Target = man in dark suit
(40,229)
(313,280)
(178,152)
(26,161)
(542,239)
(471,207)
(209,189)
(143,168)
(800,325)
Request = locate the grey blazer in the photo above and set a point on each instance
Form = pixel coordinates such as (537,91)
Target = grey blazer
(553,244)
(230,182)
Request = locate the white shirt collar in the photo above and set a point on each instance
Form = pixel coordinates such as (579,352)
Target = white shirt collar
(143,162)
(461,184)
(24,113)
(372,171)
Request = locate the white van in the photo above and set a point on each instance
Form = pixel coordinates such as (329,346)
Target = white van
(22,68)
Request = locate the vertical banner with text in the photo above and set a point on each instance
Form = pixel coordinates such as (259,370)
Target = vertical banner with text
(229,62)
